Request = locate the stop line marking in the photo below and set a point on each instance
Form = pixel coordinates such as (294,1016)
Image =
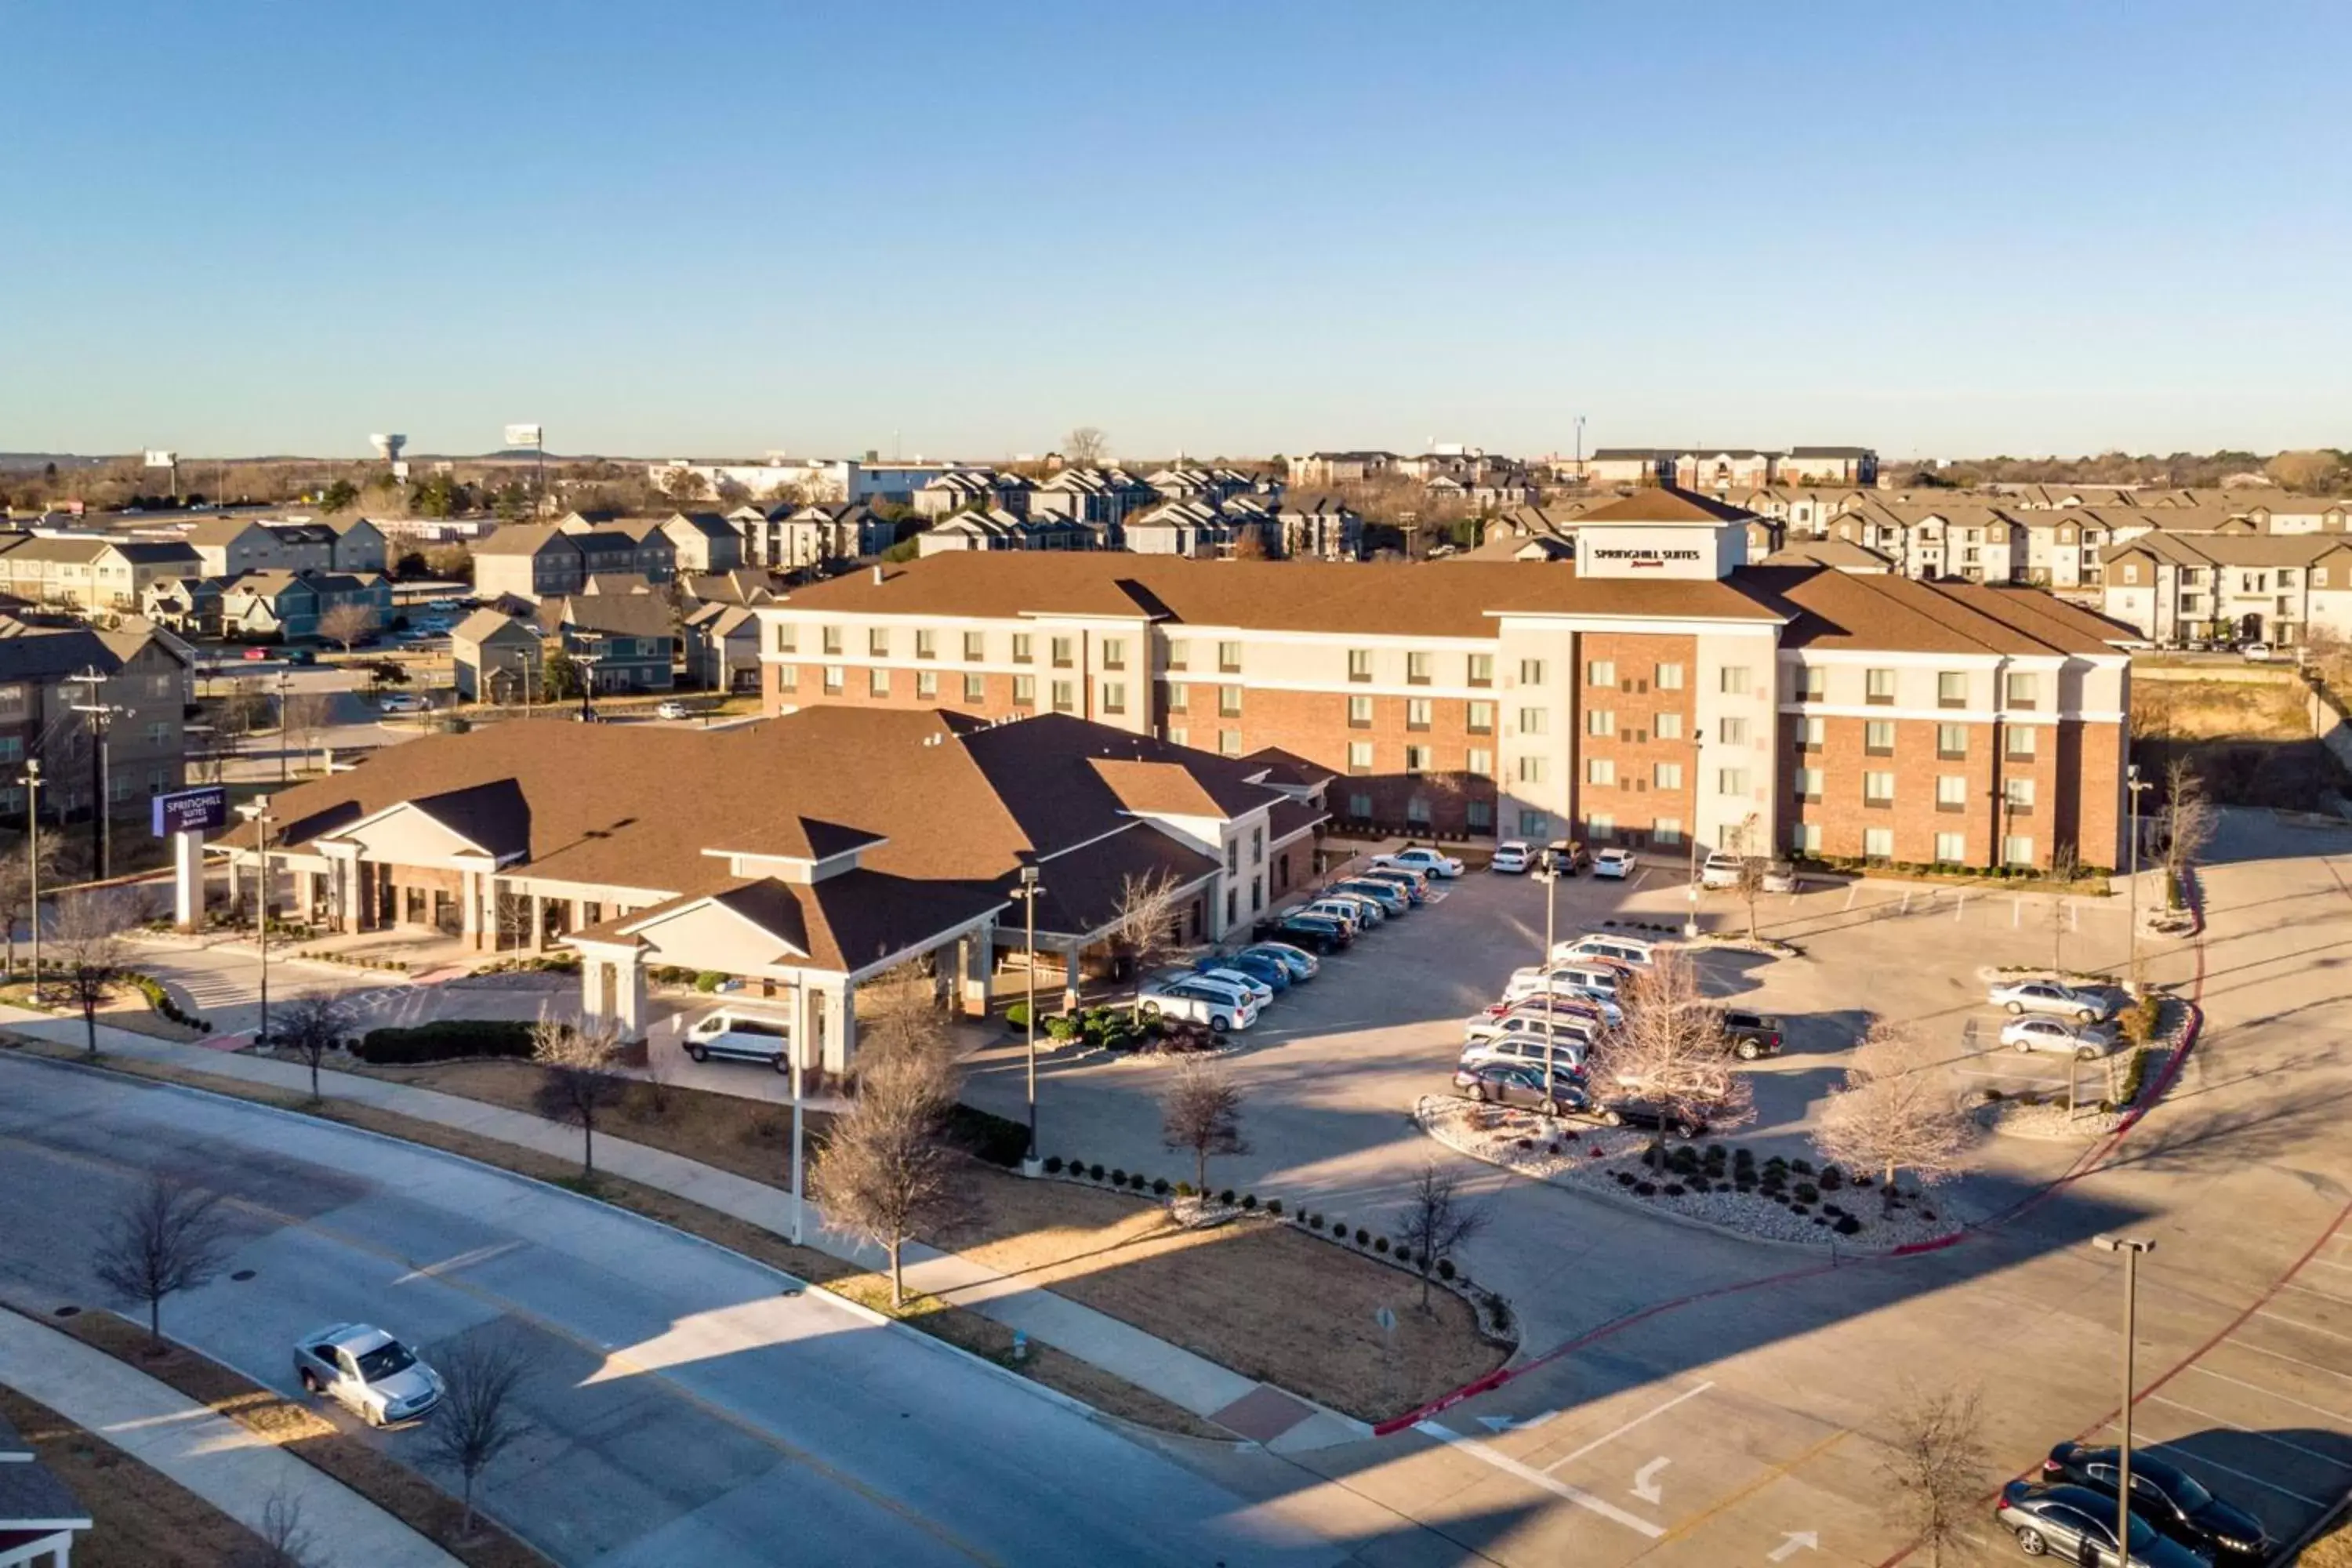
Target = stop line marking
(1620,1432)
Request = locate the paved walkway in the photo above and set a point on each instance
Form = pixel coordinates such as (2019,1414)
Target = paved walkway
(235,1469)
(1280,1420)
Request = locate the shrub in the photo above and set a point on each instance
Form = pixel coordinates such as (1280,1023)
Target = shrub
(1381,1246)
(1445,1268)
(1117,1177)
(1095,1172)
(1847,1225)
(1832,1178)
(1775,1164)
(1160,1186)
(1500,1310)
(1225,1198)
(1993,1097)
(1249,1201)
(1799,1208)
(1053,1164)
(1363,1236)
(1645,1189)
(995,1140)
(2135,1074)
(1274,1208)
(1675,1189)
(1059,1028)
(1017,1015)
(1404,1255)
(1183,1189)
(1802,1167)
(445,1040)
(1807,1193)
(709,979)
(1625,1178)
(1315,1222)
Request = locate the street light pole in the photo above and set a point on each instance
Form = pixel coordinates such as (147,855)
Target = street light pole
(31,780)
(282,738)
(1699,771)
(1027,893)
(258,813)
(2135,783)
(1548,873)
(2131,1250)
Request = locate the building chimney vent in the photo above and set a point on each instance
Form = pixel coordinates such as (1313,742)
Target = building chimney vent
(878,576)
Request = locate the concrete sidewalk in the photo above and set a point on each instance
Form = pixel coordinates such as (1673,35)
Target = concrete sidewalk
(235,1469)
(1280,1420)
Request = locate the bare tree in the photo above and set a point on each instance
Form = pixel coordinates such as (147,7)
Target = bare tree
(580,1076)
(898,1014)
(1935,1460)
(477,1421)
(285,1541)
(1753,865)
(1144,926)
(2066,867)
(1670,1051)
(301,717)
(1085,447)
(1437,1221)
(311,1025)
(888,1168)
(17,887)
(347,623)
(167,1236)
(86,935)
(1894,1112)
(2187,821)
(1201,1109)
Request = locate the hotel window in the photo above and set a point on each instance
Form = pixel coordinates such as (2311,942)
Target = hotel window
(1257,846)
(1808,783)
(975,688)
(1531,672)
(1734,732)
(1734,678)
(1951,848)
(1359,664)
(1951,792)
(1600,672)
(1360,712)
(1534,824)
(1878,789)
(1482,718)
(1670,678)
(975,647)
(1023,647)
(1179,654)
(1114,697)
(1065,697)
(2021,743)
(1666,832)
(1063,650)
(1878,843)
(1601,826)
(1180,697)
(1114,653)
(1597,721)
(832,679)
(1731,781)
(1416,668)
(2017,850)
(1025,691)
(1951,688)
(2018,794)
(1229,742)
(1479,761)
(2024,688)
(926,643)
(1812,684)
(1229,701)
(1233,857)
(1808,839)
(1666,776)
(788,678)
(1878,738)
(832,637)
(1359,756)
(1878,686)
(1479,814)
(878,642)
(1416,713)
(787,637)
(1481,669)
(1534,720)
(1416,810)
(1667,726)
(878,682)
(1177,735)
(1229,657)
(1598,770)
(926,685)
(1531,769)
(1951,742)
(1416,759)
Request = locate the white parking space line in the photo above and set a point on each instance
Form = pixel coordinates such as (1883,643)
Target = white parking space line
(2273,1393)
(2322,1263)
(2282,1355)
(2323,1295)
(2199,1462)
(2259,1435)
(2309,1328)
(1581,1498)
(1620,1432)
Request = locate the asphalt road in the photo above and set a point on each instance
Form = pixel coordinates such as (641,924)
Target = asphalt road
(686,1404)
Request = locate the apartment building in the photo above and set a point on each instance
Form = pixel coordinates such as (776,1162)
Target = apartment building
(2257,587)
(1724,469)
(962,488)
(88,572)
(1658,690)
(538,561)
(144,679)
(228,546)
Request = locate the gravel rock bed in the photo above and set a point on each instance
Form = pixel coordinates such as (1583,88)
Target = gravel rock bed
(1590,1158)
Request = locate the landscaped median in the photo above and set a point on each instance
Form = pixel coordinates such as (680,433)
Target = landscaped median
(2113,1087)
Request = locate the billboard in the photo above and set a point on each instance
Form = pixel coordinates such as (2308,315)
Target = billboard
(191,811)
(524,435)
(159,459)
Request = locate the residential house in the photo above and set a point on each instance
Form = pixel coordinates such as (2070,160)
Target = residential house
(743,585)
(703,542)
(1103,498)
(998,530)
(723,647)
(497,659)
(1630,466)
(960,489)
(190,606)
(1214,486)
(624,641)
(294,606)
(1319,529)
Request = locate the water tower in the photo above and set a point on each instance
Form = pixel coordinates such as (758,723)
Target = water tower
(388,447)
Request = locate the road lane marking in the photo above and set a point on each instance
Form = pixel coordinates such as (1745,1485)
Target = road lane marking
(1620,1432)
(1645,1481)
(2327,1459)
(462,1261)
(2273,1393)
(1509,1466)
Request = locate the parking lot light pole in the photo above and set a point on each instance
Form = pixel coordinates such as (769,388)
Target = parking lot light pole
(31,781)
(2131,1248)
(1027,893)
(258,813)
(1698,767)
(1548,873)
(2135,783)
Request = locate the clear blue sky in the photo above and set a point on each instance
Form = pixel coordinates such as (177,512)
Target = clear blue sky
(727,228)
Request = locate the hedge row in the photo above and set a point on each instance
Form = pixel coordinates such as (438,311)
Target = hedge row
(445,1041)
(999,1140)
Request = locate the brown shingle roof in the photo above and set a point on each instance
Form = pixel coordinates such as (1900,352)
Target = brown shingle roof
(1848,610)
(1665,503)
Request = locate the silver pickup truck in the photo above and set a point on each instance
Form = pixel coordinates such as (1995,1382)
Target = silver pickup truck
(366,1369)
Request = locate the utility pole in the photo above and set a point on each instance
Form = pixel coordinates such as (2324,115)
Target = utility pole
(1027,893)
(284,742)
(31,780)
(2131,1250)
(101,722)
(258,813)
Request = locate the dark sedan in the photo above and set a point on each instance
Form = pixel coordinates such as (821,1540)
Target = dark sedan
(1502,1081)
(1317,933)
(2175,1502)
(2075,1524)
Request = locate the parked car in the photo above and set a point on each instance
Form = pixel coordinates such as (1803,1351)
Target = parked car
(1521,1083)
(739,1037)
(1257,990)
(256,653)
(1512,855)
(1301,964)
(1633,951)
(1587,976)
(367,1370)
(1270,972)
(1720,869)
(1200,1000)
(2083,1042)
(1412,884)
(1318,935)
(1392,899)
(1752,1034)
(399,702)
(1568,1006)
(1521,1037)
(1359,915)
(2049,996)
(1427,861)
(1615,864)
(1781,876)
(670,708)
(1567,856)
(2256,653)
(300,655)
(2175,1502)
(2075,1524)
(1628,1108)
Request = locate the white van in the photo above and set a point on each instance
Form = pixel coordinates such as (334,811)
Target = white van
(741,1037)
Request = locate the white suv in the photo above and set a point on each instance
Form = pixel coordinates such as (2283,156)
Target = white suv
(1721,870)
(1200,1000)
(1633,951)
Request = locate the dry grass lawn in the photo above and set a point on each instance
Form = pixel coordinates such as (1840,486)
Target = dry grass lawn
(1256,1295)
(140,1518)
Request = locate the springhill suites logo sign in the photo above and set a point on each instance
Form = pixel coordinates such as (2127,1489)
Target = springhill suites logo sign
(1637,557)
